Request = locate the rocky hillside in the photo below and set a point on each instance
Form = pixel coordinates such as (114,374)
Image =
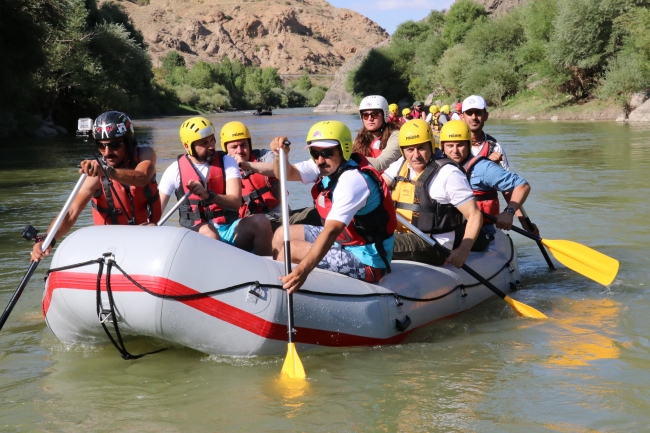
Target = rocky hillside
(499,7)
(290,35)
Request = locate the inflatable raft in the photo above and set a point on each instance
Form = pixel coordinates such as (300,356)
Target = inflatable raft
(177,286)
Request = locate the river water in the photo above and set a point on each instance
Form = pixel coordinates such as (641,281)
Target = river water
(487,370)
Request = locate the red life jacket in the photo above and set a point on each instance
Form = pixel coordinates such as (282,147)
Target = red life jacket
(258,191)
(394,119)
(417,114)
(371,228)
(194,210)
(118,204)
(487,201)
(375,148)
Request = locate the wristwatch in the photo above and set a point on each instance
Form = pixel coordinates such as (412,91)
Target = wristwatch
(510,210)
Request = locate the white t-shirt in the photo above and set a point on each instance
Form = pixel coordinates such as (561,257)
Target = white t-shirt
(497,148)
(348,199)
(448,186)
(455,116)
(171,178)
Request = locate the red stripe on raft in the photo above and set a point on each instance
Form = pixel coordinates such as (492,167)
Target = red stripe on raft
(212,307)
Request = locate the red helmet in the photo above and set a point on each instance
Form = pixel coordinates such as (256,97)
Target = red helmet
(459,107)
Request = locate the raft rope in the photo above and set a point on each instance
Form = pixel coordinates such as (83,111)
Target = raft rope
(108,260)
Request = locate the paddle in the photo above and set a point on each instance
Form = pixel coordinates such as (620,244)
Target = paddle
(292,364)
(164,219)
(521,309)
(531,228)
(46,244)
(584,260)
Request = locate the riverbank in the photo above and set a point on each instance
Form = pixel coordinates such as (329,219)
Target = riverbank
(563,107)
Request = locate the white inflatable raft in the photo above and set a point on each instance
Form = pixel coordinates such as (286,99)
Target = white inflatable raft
(246,314)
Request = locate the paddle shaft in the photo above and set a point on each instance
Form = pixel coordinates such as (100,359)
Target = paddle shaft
(287,239)
(531,228)
(168,215)
(446,253)
(46,244)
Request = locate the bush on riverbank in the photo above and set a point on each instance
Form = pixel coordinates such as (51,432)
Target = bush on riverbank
(221,85)
(580,48)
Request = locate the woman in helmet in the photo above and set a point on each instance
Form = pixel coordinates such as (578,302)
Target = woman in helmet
(393,115)
(356,238)
(215,183)
(432,193)
(121,184)
(377,139)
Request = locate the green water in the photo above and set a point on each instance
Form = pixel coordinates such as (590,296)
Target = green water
(585,369)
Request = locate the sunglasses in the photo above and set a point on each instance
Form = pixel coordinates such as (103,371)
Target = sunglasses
(326,154)
(112,145)
(371,114)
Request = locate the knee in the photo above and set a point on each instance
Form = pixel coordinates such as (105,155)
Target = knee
(261,224)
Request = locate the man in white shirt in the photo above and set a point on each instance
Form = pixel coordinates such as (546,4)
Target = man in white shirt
(356,238)
(475,114)
(215,183)
(436,204)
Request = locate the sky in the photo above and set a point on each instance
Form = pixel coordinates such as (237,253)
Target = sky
(390,13)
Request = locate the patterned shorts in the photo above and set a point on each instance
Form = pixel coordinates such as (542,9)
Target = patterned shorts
(337,258)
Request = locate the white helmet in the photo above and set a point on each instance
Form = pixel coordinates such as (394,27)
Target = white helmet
(374,102)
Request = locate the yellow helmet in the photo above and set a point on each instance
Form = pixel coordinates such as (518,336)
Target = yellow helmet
(406,112)
(232,131)
(194,129)
(434,109)
(455,130)
(332,130)
(444,109)
(415,132)
(393,108)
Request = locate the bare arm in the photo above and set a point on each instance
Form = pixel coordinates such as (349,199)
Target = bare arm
(389,155)
(322,245)
(474,222)
(164,199)
(139,176)
(90,185)
(292,173)
(264,168)
(515,199)
(230,200)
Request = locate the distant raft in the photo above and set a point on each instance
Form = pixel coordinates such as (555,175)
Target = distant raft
(177,286)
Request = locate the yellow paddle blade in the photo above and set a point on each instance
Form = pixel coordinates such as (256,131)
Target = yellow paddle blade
(524,310)
(292,364)
(584,260)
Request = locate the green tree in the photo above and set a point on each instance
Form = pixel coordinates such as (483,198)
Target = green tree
(171,60)
(460,18)
(304,82)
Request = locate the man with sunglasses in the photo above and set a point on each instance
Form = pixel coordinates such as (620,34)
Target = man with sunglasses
(121,184)
(356,238)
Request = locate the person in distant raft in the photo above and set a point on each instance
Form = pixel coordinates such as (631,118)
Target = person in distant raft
(406,116)
(393,115)
(122,185)
(377,139)
(214,180)
(433,194)
(352,199)
(432,118)
(260,187)
(486,178)
(417,112)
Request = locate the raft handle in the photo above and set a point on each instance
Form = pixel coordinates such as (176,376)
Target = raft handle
(401,325)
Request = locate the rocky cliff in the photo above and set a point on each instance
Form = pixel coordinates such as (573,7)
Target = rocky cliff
(499,7)
(290,35)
